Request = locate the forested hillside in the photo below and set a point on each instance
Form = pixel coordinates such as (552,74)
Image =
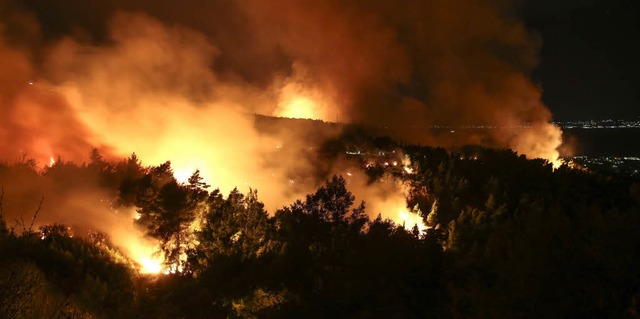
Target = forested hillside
(507,237)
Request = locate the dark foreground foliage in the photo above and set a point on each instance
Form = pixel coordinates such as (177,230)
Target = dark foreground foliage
(510,238)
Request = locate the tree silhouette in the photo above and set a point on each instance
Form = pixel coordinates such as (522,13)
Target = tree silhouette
(235,226)
(169,211)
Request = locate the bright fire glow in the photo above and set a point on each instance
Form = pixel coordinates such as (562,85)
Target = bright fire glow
(406,165)
(540,141)
(300,108)
(182,175)
(146,257)
(133,242)
(151,265)
(410,219)
(303,101)
(388,200)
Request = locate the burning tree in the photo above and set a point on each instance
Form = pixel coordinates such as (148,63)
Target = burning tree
(168,209)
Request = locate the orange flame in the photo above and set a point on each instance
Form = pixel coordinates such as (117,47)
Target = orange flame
(410,219)
(136,245)
(299,107)
(151,265)
(300,97)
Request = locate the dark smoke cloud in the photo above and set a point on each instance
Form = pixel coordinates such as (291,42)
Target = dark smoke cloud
(405,63)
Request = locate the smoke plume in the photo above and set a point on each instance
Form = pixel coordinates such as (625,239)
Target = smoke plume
(183,82)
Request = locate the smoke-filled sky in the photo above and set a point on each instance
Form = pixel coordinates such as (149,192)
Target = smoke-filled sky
(400,65)
(583,53)
(144,76)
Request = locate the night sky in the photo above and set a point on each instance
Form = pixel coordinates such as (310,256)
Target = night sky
(589,59)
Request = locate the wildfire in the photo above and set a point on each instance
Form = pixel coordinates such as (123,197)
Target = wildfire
(540,141)
(146,257)
(406,165)
(410,219)
(151,265)
(301,100)
(133,243)
(299,107)
(160,110)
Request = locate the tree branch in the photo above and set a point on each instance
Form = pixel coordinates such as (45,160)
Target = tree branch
(19,222)
(35,215)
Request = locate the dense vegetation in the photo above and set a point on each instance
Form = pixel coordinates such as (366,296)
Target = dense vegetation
(510,238)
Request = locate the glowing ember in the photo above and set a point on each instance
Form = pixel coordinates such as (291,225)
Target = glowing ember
(52,161)
(406,165)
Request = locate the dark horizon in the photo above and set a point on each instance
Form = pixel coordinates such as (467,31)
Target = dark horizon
(589,57)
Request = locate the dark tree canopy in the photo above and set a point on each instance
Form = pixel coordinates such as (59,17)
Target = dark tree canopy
(509,238)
